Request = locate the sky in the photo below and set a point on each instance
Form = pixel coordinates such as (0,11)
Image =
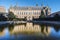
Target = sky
(53,4)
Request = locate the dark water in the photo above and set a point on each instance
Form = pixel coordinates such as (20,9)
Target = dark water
(30,31)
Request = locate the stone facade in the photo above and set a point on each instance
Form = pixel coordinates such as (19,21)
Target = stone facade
(2,9)
(29,12)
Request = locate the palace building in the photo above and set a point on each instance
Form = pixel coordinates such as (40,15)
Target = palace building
(2,9)
(29,12)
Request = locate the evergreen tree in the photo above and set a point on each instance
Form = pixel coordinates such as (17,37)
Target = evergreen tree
(11,16)
(42,14)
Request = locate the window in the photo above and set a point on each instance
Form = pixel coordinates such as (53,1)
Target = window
(26,13)
(18,13)
(29,13)
(22,13)
(35,13)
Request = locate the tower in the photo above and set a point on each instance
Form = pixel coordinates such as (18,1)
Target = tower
(16,5)
(11,6)
(42,6)
(36,4)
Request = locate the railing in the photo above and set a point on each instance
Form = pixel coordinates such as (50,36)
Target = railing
(17,22)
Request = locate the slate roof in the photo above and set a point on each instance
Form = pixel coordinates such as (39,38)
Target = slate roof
(25,8)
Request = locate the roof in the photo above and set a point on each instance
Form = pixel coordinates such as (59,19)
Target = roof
(25,8)
(53,14)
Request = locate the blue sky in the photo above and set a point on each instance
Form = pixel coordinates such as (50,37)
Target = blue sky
(53,4)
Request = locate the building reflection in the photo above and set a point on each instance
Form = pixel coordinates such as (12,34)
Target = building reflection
(3,32)
(27,28)
(30,28)
(57,28)
(45,29)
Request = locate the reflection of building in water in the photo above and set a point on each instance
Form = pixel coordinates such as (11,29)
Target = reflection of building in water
(30,28)
(4,32)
